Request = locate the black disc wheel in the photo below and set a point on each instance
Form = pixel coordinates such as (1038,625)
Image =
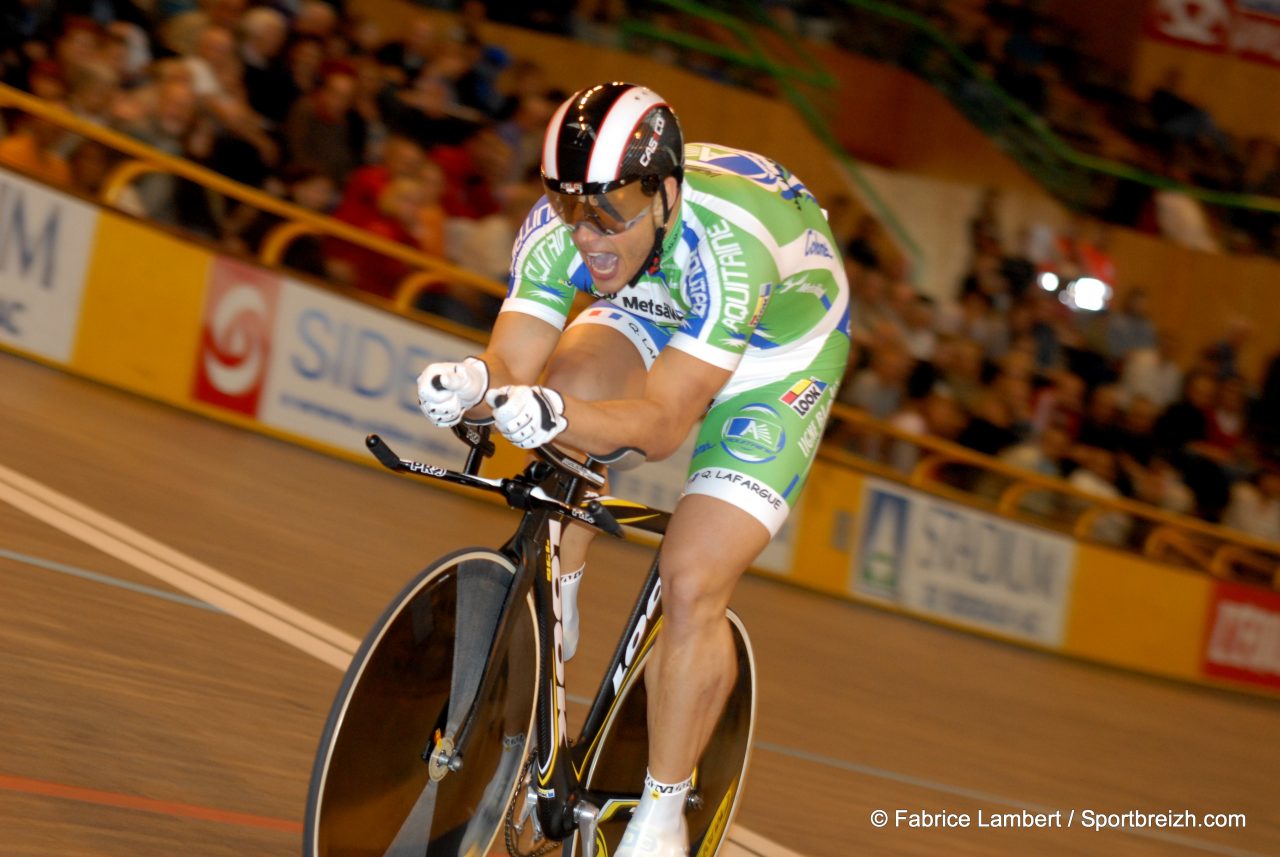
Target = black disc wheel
(381,785)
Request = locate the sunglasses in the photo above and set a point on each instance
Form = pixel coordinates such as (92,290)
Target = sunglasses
(608,213)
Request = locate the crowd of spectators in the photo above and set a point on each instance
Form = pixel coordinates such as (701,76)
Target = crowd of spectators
(1043,65)
(428,137)
(1102,399)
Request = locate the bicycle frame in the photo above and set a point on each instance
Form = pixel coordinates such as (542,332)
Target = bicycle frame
(563,804)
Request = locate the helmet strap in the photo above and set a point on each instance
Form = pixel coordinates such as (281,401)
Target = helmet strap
(653,262)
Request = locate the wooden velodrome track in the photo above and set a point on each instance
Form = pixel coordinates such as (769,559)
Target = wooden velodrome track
(136,721)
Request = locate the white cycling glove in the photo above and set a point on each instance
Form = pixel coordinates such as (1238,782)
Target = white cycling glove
(446,391)
(527,416)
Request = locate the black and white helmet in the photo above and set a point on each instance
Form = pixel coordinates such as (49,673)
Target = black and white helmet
(611,135)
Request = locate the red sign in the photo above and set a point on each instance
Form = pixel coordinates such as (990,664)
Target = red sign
(1247,29)
(1243,639)
(235,336)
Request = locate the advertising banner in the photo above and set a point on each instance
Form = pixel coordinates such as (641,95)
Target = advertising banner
(1248,29)
(1242,641)
(45,240)
(943,560)
(340,370)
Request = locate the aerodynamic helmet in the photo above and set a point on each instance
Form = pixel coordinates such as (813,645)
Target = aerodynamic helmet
(607,151)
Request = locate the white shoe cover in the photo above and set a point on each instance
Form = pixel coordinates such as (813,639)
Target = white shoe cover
(642,840)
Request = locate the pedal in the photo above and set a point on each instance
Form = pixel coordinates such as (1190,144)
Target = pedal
(588,817)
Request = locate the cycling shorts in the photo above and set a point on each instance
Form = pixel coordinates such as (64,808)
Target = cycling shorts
(761,433)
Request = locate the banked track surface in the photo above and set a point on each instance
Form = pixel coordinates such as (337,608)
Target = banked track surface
(141,719)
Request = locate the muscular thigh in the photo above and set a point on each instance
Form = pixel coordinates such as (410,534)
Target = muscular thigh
(759,439)
(596,362)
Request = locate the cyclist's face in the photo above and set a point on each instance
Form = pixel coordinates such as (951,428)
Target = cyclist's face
(614,259)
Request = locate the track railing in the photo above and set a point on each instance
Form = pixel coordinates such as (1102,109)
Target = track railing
(142,160)
(964,476)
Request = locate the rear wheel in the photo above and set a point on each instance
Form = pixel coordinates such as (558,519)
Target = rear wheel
(406,693)
(619,759)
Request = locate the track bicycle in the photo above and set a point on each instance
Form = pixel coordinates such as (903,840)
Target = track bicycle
(450,726)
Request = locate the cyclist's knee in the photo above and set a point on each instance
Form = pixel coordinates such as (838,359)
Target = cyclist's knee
(694,595)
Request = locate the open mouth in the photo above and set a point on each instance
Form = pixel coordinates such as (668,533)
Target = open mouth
(602,265)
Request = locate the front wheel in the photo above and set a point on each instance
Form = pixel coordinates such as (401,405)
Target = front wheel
(406,693)
(619,758)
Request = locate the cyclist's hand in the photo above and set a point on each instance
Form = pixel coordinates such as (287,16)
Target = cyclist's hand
(446,391)
(528,416)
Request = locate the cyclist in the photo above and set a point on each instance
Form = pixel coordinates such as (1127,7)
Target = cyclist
(720,293)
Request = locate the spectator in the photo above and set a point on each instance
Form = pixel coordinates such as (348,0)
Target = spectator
(432,217)
(1265,428)
(868,307)
(1180,436)
(401,158)
(1015,392)
(321,133)
(33,149)
(918,333)
(1044,456)
(863,247)
(974,318)
(523,133)
(1096,476)
(90,164)
(1255,505)
(215,68)
(126,50)
(1131,328)
(961,363)
(270,88)
(1223,355)
(1047,327)
(424,112)
(1102,426)
(879,389)
(47,82)
(930,411)
(396,219)
(990,430)
(478,234)
(1161,485)
(407,58)
(463,305)
(1184,123)
(1060,402)
(304,60)
(986,275)
(1136,431)
(308,189)
(1180,217)
(1154,374)
(316,19)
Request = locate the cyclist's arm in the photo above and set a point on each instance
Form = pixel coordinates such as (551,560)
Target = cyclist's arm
(676,394)
(518,350)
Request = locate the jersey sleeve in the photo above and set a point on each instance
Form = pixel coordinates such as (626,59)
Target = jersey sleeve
(727,282)
(541,261)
